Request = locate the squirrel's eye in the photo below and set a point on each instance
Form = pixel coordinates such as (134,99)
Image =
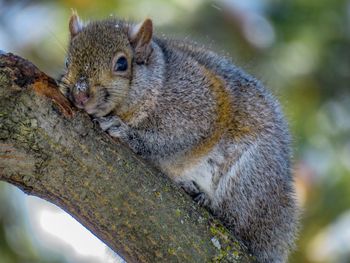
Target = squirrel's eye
(121,64)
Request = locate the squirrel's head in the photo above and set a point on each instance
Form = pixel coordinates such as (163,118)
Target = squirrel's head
(100,62)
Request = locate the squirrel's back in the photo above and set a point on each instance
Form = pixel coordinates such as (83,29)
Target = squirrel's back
(248,151)
(249,107)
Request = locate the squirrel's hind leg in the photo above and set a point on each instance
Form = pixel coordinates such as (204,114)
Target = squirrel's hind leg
(192,189)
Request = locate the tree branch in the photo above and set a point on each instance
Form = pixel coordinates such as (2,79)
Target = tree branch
(50,150)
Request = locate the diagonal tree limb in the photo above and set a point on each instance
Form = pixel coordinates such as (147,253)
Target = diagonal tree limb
(50,150)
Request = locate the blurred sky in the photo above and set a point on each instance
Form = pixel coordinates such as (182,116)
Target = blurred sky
(298,48)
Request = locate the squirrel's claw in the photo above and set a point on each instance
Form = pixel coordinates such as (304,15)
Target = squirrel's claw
(194,191)
(118,132)
(190,187)
(113,125)
(108,122)
(201,199)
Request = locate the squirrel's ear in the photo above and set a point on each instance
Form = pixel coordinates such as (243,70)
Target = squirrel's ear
(75,25)
(140,38)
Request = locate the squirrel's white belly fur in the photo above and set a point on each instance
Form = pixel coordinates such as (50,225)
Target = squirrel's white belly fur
(203,172)
(202,175)
(213,172)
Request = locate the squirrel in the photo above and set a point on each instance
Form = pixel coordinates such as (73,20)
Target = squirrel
(212,128)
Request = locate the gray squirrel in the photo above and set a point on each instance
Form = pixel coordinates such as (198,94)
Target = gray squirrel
(210,127)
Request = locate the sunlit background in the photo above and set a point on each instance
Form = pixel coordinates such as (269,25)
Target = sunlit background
(300,49)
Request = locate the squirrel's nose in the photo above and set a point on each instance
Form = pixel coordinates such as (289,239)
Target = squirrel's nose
(81,85)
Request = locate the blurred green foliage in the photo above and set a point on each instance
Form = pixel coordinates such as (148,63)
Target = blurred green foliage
(299,48)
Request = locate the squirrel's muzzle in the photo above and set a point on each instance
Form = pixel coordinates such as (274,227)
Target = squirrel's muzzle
(81,92)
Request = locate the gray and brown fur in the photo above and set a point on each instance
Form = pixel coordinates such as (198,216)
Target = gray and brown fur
(210,127)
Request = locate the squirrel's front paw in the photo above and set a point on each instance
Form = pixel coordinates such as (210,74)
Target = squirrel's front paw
(113,125)
(108,122)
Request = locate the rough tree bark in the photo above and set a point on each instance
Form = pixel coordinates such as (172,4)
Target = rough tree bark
(50,150)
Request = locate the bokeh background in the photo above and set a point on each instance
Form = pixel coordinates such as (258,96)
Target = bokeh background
(300,49)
